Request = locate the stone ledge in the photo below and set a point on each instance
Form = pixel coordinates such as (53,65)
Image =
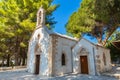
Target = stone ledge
(14,69)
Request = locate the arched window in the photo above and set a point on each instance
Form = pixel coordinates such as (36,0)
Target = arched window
(104,58)
(63,59)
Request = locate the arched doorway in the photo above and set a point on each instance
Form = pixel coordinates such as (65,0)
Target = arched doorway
(37,57)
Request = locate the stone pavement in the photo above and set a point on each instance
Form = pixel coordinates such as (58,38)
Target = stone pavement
(22,74)
(115,72)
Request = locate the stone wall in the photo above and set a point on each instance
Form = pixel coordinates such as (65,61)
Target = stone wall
(62,45)
(103,59)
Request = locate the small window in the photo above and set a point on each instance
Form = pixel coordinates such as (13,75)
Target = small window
(104,58)
(63,59)
(38,36)
(40,16)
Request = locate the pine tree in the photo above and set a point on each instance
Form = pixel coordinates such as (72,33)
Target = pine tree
(17,22)
(97,18)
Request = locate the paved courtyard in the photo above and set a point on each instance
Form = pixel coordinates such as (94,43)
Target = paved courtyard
(24,75)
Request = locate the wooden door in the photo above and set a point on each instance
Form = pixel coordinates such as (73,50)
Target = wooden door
(84,64)
(37,64)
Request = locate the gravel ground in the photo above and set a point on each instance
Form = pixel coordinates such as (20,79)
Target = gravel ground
(23,75)
(114,72)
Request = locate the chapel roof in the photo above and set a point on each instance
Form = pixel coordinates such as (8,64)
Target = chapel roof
(97,45)
(58,34)
(64,36)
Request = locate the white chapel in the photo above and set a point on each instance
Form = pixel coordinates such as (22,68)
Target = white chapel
(54,54)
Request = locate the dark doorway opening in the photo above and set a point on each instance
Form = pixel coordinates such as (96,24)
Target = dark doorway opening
(37,64)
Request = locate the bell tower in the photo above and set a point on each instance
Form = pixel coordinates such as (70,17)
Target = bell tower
(40,17)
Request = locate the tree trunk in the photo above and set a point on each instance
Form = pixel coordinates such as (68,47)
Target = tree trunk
(16,59)
(99,39)
(17,51)
(23,61)
(19,62)
(8,60)
(109,34)
(3,61)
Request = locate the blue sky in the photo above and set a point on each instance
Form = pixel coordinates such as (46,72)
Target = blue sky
(63,12)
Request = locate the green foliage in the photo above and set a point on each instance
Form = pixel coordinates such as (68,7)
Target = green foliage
(79,22)
(115,36)
(114,52)
(118,35)
(17,22)
(96,17)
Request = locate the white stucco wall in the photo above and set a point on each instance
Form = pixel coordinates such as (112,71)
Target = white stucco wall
(44,54)
(63,46)
(76,54)
(31,58)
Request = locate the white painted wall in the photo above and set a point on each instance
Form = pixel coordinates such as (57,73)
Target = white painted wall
(31,58)
(44,55)
(76,54)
